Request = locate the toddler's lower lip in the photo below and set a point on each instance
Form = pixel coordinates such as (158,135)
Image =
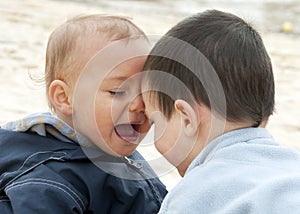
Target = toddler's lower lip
(127,132)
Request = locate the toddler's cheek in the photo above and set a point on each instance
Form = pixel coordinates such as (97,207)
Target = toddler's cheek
(145,127)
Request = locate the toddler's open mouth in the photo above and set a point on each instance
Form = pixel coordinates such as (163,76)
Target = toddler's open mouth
(128,132)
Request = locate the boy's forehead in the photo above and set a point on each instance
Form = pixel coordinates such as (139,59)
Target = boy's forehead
(150,101)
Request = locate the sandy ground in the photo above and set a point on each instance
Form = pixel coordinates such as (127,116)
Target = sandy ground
(26,24)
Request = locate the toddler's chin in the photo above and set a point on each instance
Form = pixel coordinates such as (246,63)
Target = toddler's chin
(125,151)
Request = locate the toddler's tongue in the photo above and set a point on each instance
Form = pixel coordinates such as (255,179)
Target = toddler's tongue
(127,132)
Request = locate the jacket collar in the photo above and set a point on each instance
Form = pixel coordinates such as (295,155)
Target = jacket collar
(46,124)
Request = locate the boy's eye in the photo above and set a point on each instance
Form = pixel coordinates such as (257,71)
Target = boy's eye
(117,93)
(151,122)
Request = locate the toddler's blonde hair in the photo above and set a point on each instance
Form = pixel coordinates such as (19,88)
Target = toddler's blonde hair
(61,62)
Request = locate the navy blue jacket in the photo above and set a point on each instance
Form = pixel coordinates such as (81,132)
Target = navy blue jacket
(43,175)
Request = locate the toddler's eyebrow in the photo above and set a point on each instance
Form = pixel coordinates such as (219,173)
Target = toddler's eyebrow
(121,78)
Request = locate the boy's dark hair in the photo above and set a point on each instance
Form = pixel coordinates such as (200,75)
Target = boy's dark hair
(237,55)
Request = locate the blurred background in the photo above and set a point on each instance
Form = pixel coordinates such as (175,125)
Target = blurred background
(26,24)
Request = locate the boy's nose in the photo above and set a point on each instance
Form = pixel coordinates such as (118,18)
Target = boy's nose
(137,104)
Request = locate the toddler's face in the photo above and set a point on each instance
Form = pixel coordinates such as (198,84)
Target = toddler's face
(119,108)
(108,106)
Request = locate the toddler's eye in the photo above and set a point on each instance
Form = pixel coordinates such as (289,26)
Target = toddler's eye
(117,93)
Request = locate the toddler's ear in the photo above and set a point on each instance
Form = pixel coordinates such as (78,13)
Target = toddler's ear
(189,116)
(60,97)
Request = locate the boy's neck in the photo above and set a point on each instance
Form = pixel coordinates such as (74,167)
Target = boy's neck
(205,135)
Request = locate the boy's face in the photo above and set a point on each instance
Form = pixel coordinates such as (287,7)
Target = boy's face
(108,106)
(168,135)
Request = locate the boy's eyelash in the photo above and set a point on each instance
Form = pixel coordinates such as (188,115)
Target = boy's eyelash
(151,122)
(116,92)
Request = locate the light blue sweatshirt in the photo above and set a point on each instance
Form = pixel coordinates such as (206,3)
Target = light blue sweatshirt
(243,171)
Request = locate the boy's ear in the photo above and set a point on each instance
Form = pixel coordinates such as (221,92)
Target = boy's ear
(189,116)
(60,97)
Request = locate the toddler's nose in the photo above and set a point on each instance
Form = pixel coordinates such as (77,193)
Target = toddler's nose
(137,104)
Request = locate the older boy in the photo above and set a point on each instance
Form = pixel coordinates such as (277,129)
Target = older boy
(50,166)
(212,79)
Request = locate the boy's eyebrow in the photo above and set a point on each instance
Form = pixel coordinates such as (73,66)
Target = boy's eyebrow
(146,112)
